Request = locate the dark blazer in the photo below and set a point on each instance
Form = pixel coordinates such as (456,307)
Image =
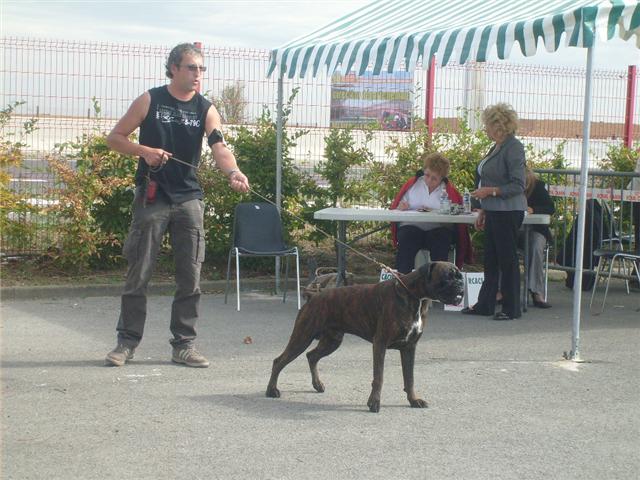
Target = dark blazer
(505,169)
(541,202)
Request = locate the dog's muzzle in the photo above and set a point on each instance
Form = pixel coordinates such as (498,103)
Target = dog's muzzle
(450,285)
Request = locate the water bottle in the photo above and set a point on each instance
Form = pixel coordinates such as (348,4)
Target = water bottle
(466,201)
(445,204)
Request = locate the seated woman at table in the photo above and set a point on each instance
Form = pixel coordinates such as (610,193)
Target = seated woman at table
(422,192)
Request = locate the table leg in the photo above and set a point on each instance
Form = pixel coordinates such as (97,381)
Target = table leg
(341,252)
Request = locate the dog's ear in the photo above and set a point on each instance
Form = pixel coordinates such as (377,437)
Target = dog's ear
(426,270)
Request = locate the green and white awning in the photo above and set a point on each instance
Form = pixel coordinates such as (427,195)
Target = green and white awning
(399,34)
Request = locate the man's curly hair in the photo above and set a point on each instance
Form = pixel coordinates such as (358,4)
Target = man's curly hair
(175,57)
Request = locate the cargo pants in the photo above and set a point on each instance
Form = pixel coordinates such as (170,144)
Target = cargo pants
(184,222)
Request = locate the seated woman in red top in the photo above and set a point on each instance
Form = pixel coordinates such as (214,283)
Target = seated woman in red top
(422,192)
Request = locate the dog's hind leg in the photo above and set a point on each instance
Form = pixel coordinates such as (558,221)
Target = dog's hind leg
(407,357)
(329,343)
(301,338)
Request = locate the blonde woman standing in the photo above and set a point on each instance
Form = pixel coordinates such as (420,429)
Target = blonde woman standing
(500,189)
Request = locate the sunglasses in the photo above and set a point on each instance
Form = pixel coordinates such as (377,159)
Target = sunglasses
(194,68)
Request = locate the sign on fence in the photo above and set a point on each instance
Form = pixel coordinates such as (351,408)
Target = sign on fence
(385,100)
(573,191)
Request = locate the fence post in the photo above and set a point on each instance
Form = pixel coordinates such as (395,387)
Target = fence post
(431,87)
(629,111)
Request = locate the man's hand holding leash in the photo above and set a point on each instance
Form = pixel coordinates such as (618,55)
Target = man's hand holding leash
(238,181)
(155,157)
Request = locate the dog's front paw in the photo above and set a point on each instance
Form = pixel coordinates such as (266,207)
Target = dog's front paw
(374,404)
(318,386)
(418,403)
(273,392)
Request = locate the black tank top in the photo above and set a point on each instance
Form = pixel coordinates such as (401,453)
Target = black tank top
(177,127)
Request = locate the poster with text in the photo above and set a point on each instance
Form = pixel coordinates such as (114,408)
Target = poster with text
(382,101)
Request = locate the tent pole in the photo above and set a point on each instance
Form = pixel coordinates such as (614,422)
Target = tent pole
(279,121)
(574,354)
(279,128)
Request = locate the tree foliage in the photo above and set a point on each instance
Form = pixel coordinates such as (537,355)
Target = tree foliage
(231,104)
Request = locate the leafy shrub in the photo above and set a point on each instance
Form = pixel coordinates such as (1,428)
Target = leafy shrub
(96,195)
(342,185)
(464,149)
(15,211)
(255,152)
(620,158)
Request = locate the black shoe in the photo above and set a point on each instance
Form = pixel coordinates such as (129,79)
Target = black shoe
(502,316)
(539,303)
(472,311)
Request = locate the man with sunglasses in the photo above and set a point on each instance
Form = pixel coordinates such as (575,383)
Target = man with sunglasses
(173,119)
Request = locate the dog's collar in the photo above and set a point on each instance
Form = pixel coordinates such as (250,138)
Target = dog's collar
(404,285)
(398,279)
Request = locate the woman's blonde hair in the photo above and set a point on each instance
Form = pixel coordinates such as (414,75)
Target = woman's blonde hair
(436,162)
(530,182)
(502,116)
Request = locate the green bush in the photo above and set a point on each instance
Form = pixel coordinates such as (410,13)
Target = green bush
(343,185)
(95,185)
(255,152)
(16,213)
(620,158)
(464,149)
(94,212)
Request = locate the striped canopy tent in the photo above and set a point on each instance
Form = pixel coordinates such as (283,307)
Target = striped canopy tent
(392,35)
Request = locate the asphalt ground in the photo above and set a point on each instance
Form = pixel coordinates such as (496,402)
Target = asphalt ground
(503,404)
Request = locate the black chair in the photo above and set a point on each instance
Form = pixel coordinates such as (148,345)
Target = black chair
(600,232)
(257,232)
(611,237)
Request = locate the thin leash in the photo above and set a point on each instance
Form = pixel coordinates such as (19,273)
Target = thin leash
(317,229)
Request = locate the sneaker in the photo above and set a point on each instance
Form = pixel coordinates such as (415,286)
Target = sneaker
(190,357)
(119,355)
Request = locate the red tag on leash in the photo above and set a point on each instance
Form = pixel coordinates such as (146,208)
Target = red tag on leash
(152,189)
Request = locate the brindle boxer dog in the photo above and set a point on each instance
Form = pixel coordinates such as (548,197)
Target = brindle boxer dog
(389,314)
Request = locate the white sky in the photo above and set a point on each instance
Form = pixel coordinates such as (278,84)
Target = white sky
(261,24)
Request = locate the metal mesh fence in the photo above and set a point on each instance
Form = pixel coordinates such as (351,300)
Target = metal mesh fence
(62,82)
